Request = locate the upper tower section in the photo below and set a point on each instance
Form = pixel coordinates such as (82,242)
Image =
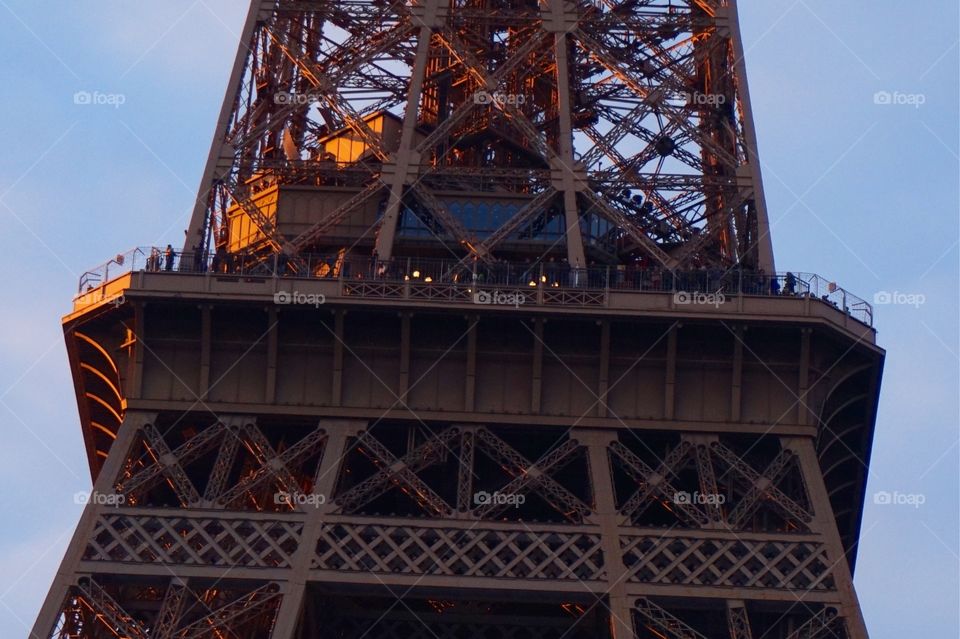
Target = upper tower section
(587,133)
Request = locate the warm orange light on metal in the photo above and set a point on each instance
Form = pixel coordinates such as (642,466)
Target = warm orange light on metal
(106,431)
(105,405)
(97,346)
(112,385)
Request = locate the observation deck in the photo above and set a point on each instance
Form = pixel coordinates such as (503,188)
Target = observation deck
(543,286)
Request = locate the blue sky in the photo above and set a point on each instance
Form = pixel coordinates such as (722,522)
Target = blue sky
(860,192)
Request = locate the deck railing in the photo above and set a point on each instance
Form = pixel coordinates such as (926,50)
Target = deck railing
(541,274)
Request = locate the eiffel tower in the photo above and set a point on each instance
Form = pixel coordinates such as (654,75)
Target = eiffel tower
(476,333)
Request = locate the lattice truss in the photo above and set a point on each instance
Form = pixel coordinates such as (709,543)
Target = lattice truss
(409,470)
(754,486)
(471,552)
(794,565)
(236,466)
(654,620)
(621,121)
(193,541)
(98,608)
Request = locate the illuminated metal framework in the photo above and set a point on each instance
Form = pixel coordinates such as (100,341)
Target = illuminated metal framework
(608,132)
(294,433)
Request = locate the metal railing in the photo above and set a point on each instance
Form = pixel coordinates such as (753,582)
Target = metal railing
(541,274)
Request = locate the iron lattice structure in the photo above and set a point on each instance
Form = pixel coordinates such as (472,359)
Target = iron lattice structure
(312,423)
(607,132)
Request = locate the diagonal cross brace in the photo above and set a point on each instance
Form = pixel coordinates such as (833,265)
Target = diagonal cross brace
(187,452)
(108,611)
(761,485)
(529,476)
(657,483)
(664,622)
(401,472)
(273,465)
(230,615)
(171,466)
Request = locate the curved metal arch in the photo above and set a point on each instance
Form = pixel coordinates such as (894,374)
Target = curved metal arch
(103,429)
(99,348)
(110,384)
(103,403)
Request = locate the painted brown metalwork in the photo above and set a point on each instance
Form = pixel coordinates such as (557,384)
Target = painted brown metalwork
(432,361)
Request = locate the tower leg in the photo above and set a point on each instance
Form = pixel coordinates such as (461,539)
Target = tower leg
(291,608)
(825,524)
(67,574)
(621,615)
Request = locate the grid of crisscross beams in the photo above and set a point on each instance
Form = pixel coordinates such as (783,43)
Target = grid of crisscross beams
(636,73)
(193,541)
(789,565)
(519,554)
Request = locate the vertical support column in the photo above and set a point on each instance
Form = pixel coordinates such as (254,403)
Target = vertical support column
(728,20)
(604,382)
(226,455)
(669,399)
(339,433)
(537,383)
(824,524)
(221,152)
(404,382)
(337,390)
(736,383)
(561,23)
(737,620)
(270,392)
(135,387)
(465,472)
(803,386)
(408,160)
(206,339)
(469,392)
(67,574)
(608,519)
(707,477)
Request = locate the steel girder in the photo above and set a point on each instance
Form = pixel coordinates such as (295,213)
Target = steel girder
(655,92)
